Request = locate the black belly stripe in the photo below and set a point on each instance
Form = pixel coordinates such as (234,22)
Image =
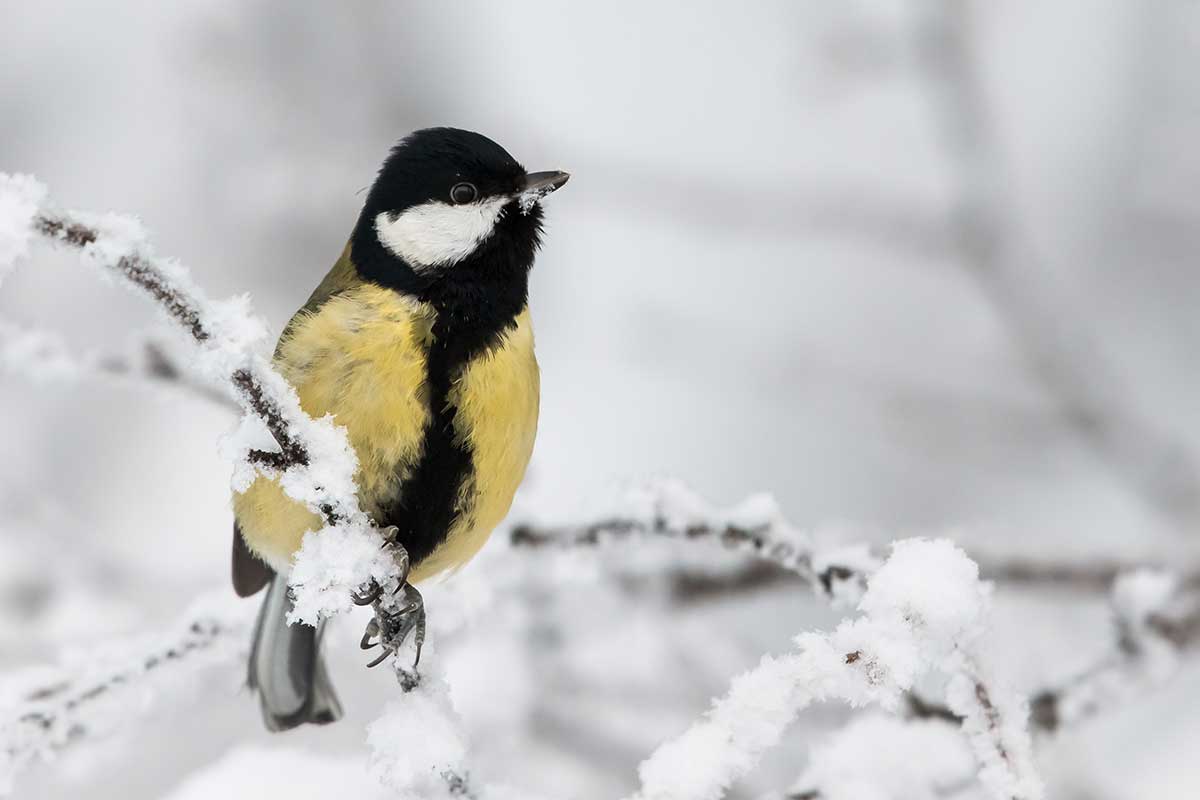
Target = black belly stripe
(432,496)
(429,500)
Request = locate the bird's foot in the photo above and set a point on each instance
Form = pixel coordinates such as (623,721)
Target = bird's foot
(398,612)
(396,616)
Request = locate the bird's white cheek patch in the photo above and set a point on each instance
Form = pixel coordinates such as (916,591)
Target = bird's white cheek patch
(437,234)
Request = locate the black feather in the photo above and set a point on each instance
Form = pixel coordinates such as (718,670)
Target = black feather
(250,573)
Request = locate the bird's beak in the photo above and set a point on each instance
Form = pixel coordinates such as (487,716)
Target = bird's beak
(543,183)
(536,186)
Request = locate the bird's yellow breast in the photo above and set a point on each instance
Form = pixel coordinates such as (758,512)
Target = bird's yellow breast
(496,399)
(362,357)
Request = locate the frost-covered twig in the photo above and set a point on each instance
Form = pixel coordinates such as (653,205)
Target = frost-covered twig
(417,745)
(119,248)
(886,757)
(669,509)
(311,459)
(922,611)
(88,696)
(996,726)
(1157,621)
(46,356)
(756,526)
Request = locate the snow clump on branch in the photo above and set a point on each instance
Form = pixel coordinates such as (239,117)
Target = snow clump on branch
(922,611)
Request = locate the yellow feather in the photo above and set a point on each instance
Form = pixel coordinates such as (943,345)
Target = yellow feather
(360,356)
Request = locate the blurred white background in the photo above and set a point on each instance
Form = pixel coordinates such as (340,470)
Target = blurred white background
(911,267)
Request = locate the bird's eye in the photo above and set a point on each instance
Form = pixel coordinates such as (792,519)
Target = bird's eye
(463,193)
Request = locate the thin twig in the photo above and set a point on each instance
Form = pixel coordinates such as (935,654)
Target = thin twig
(785,560)
(44,355)
(184,310)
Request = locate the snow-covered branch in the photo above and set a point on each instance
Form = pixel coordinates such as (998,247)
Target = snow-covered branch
(224,333)
(417,745)
(45,356)
(669,510)
(419,748)
(1139,661)
(921,613)
(1157,622)
(311,459)
(885,757)
(88,695)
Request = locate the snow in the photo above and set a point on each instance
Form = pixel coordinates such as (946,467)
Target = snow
(418,748)
(417,742)
(670,500)
(881,757)
(97,690)
(1140,657)
(999,736)
(668,506)
(528,199)
(257,772)
(20,198)
(921,610)
(1139,594)
(858,560)
(332,563)
(932,588)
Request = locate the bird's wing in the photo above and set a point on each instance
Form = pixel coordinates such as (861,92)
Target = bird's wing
(249,572)
(341,278)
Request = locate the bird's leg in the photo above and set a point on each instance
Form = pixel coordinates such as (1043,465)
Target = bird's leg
(397,613)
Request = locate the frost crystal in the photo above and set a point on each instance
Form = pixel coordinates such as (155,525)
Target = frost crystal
(527,200)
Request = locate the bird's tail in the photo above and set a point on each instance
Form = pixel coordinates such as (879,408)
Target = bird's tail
(286,667)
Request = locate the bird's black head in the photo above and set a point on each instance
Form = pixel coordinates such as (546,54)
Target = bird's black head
(451,213)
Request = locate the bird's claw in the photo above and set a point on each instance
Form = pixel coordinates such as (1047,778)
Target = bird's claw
(370,595)
(372,630)
(396,617)
(397,614)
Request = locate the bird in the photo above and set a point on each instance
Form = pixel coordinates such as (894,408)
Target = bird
(419,342)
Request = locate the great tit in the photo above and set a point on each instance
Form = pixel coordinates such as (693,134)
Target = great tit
(419,342)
